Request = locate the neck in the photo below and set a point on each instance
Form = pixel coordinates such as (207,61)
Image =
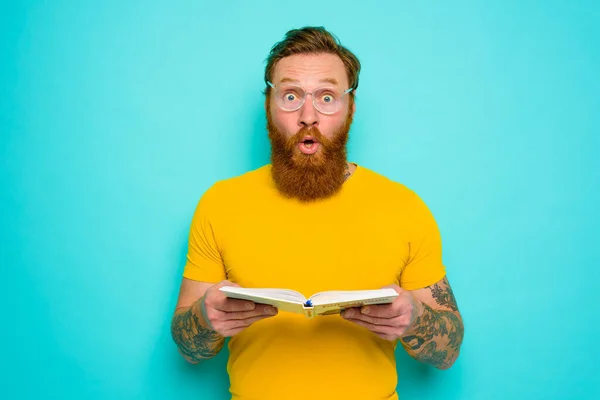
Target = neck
(350,168)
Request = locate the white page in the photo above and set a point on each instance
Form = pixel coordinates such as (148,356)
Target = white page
(350,295)
(267,293)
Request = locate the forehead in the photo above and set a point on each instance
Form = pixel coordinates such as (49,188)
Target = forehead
(309,69)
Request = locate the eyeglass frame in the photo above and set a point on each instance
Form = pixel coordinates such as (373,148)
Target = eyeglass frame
(345,92)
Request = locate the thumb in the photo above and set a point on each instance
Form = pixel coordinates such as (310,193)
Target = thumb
(214,290)
(226,283)
(394,286)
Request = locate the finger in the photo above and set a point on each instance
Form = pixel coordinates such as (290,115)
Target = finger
(366,314)
(379,329)
(213,302)
(380,311)
(259,309)
(223,303)
(396,322)
(233,327)
(241,323)
(233,332)
(350,311)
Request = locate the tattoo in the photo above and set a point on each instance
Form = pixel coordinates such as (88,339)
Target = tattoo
(436,335)
(195,342)
(443,295)
(347,174)
(430,355)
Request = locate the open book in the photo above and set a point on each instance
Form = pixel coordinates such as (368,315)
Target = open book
(318,304)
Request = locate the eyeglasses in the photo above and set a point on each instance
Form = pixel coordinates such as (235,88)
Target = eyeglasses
(290,97)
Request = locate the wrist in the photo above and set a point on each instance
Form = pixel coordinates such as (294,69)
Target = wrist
(199,310)
(417,312)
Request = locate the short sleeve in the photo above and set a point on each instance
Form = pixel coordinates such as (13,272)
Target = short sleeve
(424,266)
(204,262)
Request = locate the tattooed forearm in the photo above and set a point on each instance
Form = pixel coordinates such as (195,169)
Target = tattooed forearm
(195,342)
(436,335)
(443,295)
(435,338)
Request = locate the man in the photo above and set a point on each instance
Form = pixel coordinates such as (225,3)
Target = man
(311,221)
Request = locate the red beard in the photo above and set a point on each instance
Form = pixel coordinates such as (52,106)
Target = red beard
(308,177)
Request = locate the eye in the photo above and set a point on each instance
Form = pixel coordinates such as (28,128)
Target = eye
(327,98)
(290,96)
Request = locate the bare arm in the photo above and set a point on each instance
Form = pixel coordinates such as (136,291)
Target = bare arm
(437,332)
(195,341)
(204,317)
(426,321)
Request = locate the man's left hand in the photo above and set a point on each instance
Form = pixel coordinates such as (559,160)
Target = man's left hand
(388,321)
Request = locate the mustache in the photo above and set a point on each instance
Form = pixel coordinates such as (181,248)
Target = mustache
(308,131)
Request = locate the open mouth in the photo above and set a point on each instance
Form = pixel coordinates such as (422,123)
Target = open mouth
(309,145)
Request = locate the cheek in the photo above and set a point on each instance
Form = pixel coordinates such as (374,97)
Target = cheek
(279,119)
(284,122)
(328,126)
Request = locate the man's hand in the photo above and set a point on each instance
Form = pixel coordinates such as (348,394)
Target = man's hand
(388,321)
(228,317)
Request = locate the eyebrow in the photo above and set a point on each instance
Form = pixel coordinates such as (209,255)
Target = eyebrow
(333,81)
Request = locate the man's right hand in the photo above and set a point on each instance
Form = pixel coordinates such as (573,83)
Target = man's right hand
(228,317)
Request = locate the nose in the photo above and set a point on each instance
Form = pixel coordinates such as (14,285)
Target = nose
(309,116)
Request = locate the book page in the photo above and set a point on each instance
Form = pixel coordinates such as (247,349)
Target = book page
(333,297)
(283,299)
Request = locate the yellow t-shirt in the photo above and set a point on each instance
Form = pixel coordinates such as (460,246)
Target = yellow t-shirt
(372,233)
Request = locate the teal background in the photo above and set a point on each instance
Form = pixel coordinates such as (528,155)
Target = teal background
(115,117)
